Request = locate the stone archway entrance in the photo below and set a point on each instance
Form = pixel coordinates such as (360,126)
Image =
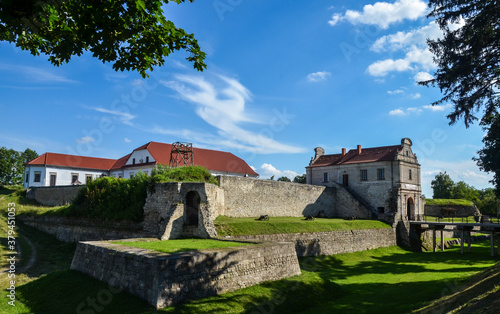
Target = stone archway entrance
(410,209)
(192,208)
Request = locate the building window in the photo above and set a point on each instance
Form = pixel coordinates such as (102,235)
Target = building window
(380,210)
(381,174)
(325,177)
(133,161)
(409,174)
(119,176)
(88,178)
(147,159)
(38,176)
(27,177)
(345,180)
(364,175)
(74,178)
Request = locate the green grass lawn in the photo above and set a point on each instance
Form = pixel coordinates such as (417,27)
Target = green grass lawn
(182,245)
(448,202)
(228,226)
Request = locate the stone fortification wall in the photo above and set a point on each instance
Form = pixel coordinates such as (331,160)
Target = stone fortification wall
(53,196)
(167,279)
(248,197)
(165,214)
(78,229)
(334,242)
(460,211)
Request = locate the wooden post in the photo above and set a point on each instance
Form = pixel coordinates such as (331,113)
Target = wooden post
(468,241)
(442,240)
(434,239)
(462,242)
(492,241)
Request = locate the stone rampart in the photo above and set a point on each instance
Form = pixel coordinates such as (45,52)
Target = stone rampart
(167,279)
(79,229)
(248,197)
(333,242)
(53,196)
(451,211)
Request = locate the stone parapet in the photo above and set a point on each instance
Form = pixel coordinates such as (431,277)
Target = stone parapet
(167,279)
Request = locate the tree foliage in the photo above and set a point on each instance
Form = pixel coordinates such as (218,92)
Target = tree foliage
(11,164)
(131,34)
(445,188)
(300,178)
(467,57)
(284,179)
(489,157)
(442,186)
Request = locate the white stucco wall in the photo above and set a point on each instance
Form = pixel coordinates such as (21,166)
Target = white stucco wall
(63,175)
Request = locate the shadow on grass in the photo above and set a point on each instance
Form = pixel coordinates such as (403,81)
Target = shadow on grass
(69,291)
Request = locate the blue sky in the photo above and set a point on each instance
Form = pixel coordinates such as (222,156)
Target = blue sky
(282,79)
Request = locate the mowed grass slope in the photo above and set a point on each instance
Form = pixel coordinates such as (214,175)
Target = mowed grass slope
(182,245)
(228,226)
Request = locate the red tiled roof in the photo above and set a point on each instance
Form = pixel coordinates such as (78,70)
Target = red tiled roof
(385,153)
(53,159)
(211,159)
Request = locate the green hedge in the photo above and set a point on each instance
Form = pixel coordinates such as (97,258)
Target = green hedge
(111,198)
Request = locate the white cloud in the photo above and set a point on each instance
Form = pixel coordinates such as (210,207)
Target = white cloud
(85,139)
(382,68)
(401,40)
(415,96)
(126,140)
(383,14)
(395,92)
(459,170)
(222,103)
(422,76)
(438,107)
(318,76)
(36,74)
(404,112)
(267,170)
(124,117)
(397,112)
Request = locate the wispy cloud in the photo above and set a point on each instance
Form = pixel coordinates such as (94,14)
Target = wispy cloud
(124,117)
(417,110)
(222,103)
(36,74)
(383,14)
(85,139)
(318,76)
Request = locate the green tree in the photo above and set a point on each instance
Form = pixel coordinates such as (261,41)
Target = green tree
(468,57)
(300,178)
(462,190)
(11,164)
(468,68)
(131,34)
(284,179)
(489,157)
(442,186)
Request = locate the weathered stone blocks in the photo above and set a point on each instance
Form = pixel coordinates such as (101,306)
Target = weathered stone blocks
(167,279)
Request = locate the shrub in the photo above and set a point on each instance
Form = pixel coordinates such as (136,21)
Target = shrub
(113,198)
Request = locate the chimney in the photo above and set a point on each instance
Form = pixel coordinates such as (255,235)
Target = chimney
(359,149)
(343,151)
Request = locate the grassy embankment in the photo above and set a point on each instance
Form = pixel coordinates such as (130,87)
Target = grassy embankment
(389,280)
(182,245)
(228,226)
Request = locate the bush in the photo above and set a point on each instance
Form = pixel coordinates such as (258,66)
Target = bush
(113,198)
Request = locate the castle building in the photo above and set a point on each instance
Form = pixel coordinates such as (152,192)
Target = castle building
(52,169)
(386,179)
